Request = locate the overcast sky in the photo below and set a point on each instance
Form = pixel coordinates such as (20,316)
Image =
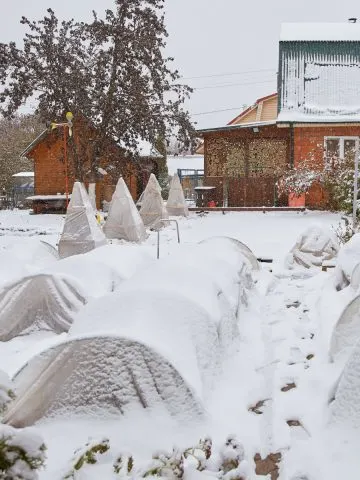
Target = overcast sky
(208,38)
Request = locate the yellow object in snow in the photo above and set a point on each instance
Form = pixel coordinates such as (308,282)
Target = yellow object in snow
(98,218)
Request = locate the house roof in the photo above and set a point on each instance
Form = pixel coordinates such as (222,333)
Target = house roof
(329,32)
(237,126)
(185,162)
(319,82)
(257,107)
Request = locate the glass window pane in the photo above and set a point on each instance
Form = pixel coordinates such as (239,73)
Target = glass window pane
(349,149)
(333,147)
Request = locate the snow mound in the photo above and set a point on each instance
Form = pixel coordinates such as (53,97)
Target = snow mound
(347,261)
(152,205)
(160,339)
(313,247)
(81,232)
(347,330)
(50,299)
(218,242)
(176,204)
(124,221)
(40,301)
(346,406)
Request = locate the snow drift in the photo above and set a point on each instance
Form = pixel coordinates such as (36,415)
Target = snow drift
(313,247)
(81,232)
(176,204)
(160,339)
(124,221)
(152,205)
(50,299)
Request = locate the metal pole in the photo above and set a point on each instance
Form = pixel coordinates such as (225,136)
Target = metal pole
(66,169)
(356,176)
(158,234)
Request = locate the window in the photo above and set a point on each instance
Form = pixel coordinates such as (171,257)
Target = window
(341,147)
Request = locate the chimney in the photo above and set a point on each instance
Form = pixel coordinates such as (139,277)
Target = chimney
(353,20)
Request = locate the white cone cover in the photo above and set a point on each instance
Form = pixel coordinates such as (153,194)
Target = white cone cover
(124,221)
(152,207)
(176,204)
(81,232)
(346,406)
(38,302)
(158,340)
(347,330)
(313,247)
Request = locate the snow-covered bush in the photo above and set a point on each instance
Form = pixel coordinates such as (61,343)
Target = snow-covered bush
(345,231)
(6,392)
(228,464)
(22,454)
(87,456)
(335,174)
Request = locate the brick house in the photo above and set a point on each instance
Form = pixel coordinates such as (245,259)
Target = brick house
(47,153)
(315,112)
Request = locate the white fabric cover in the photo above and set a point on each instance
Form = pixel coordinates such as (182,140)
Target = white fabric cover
(158,340)
(347,330)
(313,247)
(152,206)
(124,221)
(347,261)
(218,242)
(50,300)
(81,232)
(41,301)
(176,204)
(346,406)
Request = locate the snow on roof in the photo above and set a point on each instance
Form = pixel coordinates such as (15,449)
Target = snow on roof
(185,162)
(331,32)
(24,174)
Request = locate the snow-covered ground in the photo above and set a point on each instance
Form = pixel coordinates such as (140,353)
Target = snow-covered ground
(274,389)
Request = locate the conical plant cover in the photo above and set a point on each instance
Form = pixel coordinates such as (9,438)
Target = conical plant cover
(176,204)
(81,232)
(152,207)
(124,221)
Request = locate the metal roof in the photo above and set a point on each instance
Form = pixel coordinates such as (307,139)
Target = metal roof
(319,81)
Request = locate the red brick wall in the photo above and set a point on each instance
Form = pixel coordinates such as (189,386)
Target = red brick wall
(309,144)
(49,172)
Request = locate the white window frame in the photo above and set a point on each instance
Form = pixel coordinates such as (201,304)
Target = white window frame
(342,142)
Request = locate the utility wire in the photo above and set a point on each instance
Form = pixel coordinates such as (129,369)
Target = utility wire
(225,85)
(222,110)
(229,74)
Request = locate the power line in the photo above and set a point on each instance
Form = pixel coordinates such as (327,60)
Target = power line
(229,74)
(217,111)
(225,85)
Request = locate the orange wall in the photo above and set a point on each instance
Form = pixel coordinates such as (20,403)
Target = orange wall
(309,144)
(49,173)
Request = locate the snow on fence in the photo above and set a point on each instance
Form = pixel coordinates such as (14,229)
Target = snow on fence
(158,341)
(50,299)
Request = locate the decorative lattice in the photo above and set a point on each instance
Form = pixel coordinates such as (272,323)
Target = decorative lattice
(216,154)
(235,165)
(267,157)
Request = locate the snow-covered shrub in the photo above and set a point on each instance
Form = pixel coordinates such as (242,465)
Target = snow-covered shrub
(22,454)
(124,465)
(345,231)
(87,456)
(6,392)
